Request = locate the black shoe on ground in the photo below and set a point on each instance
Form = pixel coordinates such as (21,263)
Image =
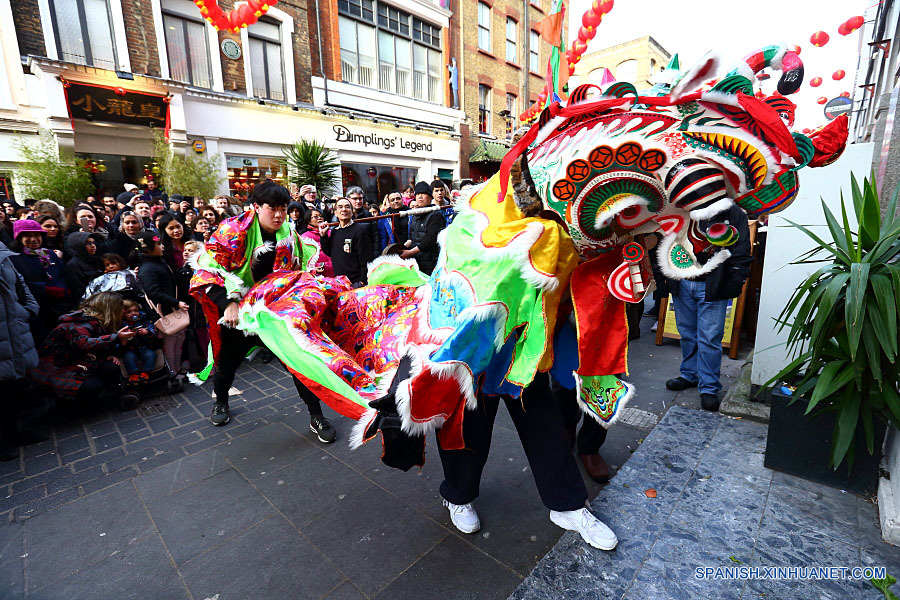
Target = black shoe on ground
(219,414)
(677,384)
(8,452)
(709,402)
(320,426)
(651,313)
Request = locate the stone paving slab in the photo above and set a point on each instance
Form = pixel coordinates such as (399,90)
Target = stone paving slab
(716,506)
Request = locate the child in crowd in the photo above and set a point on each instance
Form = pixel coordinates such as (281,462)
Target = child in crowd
(139,357)
(116,277)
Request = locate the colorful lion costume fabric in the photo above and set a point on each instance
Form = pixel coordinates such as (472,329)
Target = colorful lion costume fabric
(536,268)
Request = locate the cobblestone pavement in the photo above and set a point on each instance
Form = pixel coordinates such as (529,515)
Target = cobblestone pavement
(716,505)
(158,503)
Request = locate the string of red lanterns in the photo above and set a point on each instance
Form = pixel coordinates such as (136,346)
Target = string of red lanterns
(233,20)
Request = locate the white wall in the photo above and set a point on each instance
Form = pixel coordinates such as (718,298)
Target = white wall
(785,243)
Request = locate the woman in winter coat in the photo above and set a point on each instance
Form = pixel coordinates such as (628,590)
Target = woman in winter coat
(79,358)
(125,244)
(158,281)
(17,353)
(42,270)
(84,264)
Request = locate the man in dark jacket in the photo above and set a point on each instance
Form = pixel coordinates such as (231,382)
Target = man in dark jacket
(348,245)
(423,232)
(700,308)
(358,205)
(394,230)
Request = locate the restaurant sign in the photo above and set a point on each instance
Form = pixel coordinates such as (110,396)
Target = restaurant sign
(115,105)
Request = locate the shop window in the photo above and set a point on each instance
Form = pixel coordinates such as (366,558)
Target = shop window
(187,46)
(534,52)
(393,19)
(511,113)
(484,26)
(266,64)
(244,172)
(377,181)
(511,37)
(83,30)
(484,109)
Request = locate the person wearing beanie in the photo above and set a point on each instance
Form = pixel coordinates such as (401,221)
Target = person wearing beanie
(422,244)
(42,271)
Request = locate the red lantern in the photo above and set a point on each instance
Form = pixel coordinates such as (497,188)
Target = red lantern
(853,23)
(845,94)
(578,48)
(797,49)
(605,7)
(819,39)
(590,19)
(583,34)
(842,29)
(838,75)
(822,100)
(815,82)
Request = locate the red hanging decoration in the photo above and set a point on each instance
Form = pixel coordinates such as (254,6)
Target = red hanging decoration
(815,82)
(578,48)
(604,7)
(819,39)
(822,100)
(590,19)
(842,29)
(797,49)
(838,75)
(845,94)
(233,20)
(853,23)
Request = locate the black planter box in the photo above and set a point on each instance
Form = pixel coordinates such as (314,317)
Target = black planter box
(800,445)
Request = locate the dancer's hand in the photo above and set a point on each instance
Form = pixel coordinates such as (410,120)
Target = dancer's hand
(230,317)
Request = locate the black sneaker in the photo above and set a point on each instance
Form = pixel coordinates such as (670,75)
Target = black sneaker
(677,384)
(709,402)
(320,426)
(219,414)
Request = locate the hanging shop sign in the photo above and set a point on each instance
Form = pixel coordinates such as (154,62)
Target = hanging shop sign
(375,141)
(116,105)
(837,106)
(198,146)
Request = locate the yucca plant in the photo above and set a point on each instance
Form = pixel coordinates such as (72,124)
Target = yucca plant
(843,322)
(311,163)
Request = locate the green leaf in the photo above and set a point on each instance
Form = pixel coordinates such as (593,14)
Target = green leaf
(884,314)
(892,400)
(855,301)
(857,195)
(890,215)
(867,428)
(870,217)
(311,163)
(839,254)
(828,383)
(873,350)
(845,426)
(824,319)
(882,585)
(840,235)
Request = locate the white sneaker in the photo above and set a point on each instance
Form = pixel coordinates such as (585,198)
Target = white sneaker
(654,326)
(592,530)
(463,517)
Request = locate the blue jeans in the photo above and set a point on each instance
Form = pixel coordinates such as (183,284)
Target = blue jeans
(141,360)
(700,325)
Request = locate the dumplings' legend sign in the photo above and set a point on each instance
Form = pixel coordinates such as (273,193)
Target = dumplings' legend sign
(385,142)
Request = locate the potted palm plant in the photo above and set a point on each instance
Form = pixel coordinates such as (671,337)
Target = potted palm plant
(310,163)
(842,323)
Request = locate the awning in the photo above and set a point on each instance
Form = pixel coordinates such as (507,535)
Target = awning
(488,151)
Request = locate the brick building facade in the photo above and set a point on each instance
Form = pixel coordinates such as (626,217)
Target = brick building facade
(503,60)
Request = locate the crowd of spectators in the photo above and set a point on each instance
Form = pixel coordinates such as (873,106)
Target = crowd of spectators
(82,287)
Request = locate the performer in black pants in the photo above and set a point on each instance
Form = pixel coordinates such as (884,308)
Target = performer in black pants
(590,437)
(539,423)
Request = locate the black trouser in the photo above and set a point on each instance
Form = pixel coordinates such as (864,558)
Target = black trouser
(539,424)
(591,435)
(102,386)
(235,346)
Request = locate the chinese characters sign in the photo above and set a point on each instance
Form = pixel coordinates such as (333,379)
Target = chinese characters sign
(116,105)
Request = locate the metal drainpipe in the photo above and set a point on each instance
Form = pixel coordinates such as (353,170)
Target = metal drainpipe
(321,56)
(526,61)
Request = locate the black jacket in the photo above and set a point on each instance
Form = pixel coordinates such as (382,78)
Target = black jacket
(350,249)
(158,282)
(126,247)
(82,267)
(423,232)
(728,279)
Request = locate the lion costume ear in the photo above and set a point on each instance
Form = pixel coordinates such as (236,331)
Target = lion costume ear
(707,68)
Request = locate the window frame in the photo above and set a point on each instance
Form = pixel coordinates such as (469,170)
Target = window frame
(485,28)
(514,41)
(86,38)
(484,111)
(266,42)
(534,51)
(184,19)
(430,46)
